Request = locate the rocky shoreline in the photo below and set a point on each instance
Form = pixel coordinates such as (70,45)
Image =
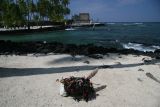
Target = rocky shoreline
(22,48)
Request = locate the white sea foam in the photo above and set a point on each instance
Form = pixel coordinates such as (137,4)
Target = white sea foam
(138,23)
(68,29)
(140,47)
(129,24)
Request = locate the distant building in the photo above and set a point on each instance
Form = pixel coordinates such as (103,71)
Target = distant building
(81,18)
(84,18)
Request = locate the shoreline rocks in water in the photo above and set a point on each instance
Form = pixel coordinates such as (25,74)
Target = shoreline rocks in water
(22,48)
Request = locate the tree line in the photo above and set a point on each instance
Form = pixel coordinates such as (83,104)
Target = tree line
(20,12)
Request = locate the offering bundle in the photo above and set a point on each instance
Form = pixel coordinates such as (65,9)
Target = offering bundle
(78,87)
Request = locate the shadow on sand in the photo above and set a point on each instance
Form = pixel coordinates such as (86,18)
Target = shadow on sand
(9,72)
(152,77)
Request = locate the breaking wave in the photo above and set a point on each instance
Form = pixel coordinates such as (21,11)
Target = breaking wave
(130,24)
(138,23)
(140,47)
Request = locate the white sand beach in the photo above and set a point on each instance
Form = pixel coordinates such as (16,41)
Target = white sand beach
(30,81)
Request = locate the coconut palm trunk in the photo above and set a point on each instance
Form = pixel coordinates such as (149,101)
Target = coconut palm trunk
(28,15)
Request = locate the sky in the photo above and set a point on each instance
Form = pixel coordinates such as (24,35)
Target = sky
(118,10)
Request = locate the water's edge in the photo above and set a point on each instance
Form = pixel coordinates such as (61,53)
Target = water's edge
(24,48)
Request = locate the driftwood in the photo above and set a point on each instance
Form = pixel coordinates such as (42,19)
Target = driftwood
(92,74)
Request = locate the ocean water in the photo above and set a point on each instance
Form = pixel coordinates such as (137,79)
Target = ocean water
(138,36)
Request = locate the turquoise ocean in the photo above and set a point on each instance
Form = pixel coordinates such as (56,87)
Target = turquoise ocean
(139,36)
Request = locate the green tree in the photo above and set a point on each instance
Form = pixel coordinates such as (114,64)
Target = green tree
(21,12)
(7,18)
(2,4)
(58,9)
(43,8)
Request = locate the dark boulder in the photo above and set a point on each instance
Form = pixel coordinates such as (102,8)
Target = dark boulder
(96,56)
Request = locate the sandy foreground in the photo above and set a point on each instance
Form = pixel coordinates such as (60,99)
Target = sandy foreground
(30,81)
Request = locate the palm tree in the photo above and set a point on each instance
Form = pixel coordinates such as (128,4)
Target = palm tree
(2,4)
(28,13)
(7,18)
(43,9)
(23,10)
(18,12)
(66,10)
(58,9)
(36,13)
